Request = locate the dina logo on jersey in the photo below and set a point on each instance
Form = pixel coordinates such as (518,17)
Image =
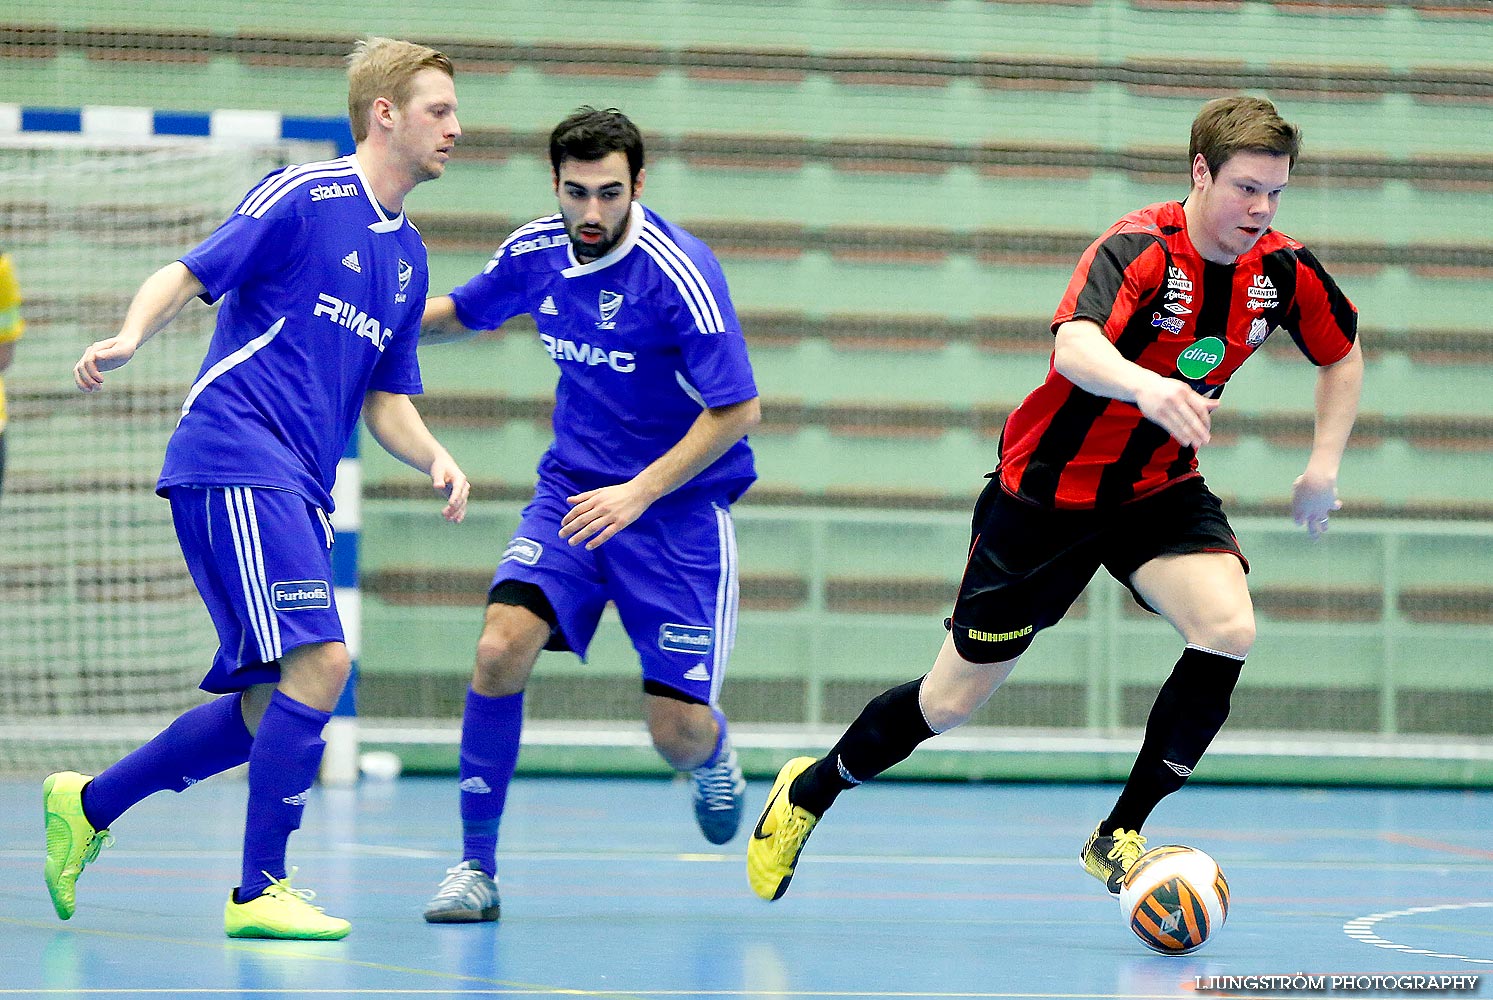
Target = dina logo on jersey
(348,315)
(300,595)
(674,638)
(1201,358)
(523,550)
(610,303)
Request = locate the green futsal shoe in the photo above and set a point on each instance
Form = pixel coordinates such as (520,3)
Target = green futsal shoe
(72,842)
(282,912)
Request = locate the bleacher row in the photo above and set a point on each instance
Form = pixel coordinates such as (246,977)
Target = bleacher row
(898,192)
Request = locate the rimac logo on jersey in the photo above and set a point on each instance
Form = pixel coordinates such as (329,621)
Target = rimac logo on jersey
(406,272)
(522,550)
(299,595)
(322,192)
(348,315)
(568,350)
(674,638)
(610,303)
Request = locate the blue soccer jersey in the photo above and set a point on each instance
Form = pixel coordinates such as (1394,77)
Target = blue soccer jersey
(322,295)
(644,337)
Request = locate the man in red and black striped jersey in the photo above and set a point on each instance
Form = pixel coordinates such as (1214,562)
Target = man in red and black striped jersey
(1098,467)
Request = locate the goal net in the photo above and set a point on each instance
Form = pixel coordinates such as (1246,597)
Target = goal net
(102,636)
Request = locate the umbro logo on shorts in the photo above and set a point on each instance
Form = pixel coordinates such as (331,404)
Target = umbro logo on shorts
(1182,770)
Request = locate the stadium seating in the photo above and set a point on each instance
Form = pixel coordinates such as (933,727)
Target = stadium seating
(898,200)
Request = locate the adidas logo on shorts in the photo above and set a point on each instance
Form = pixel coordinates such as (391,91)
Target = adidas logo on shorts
(475,785)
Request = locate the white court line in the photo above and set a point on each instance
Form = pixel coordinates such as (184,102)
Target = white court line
(891,860)
(561,991)
(1362,929)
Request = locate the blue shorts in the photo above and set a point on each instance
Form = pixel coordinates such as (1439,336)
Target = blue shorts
(671,574)
(262,561)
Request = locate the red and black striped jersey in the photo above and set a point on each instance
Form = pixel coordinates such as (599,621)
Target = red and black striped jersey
(1168,310)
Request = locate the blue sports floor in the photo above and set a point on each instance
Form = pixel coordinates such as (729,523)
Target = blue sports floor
(940,891)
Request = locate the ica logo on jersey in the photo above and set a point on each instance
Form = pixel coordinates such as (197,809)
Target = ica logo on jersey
(350,316)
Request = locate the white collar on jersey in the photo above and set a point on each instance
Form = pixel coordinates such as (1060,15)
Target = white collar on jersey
(384,223)
(634,229)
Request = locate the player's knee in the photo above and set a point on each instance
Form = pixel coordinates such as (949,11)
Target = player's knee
(1234,633)
(683,739)
(948,709)
(504,661)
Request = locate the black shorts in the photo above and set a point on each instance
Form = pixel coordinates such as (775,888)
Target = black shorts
(1028,564)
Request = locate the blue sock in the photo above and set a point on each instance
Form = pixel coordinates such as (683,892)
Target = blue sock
(202,742)
(490,729)
(720,739)
(282,768)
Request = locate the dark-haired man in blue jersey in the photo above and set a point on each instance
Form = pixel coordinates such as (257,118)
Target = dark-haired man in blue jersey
(322,282)
(654,400)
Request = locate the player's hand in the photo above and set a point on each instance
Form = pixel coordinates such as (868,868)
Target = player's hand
(599,514)
(103,356)
(1312,499)
(1174,407)
(449,480)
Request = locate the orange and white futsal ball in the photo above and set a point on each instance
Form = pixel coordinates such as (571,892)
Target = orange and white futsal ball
(1174,898)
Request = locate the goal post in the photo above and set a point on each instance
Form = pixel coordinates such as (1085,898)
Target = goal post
(103,638)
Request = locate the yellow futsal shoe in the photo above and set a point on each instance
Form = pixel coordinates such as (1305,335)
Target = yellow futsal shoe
(72,842)
(779,836)
(282,912)
(1109,858)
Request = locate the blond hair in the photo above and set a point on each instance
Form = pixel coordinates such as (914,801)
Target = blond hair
(1229,125)
(385,67)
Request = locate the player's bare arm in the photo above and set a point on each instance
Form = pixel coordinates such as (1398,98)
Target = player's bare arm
(156,304)
(1087,358)
(440,324)
(399,429)
(1314,493)
(599,514)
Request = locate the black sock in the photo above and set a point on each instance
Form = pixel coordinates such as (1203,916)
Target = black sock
(888,729)
(1190,710)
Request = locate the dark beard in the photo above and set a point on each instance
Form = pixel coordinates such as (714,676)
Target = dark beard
(587,252)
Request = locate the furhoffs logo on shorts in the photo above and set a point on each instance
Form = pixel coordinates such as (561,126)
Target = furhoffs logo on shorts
(299,595)
(685,638)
